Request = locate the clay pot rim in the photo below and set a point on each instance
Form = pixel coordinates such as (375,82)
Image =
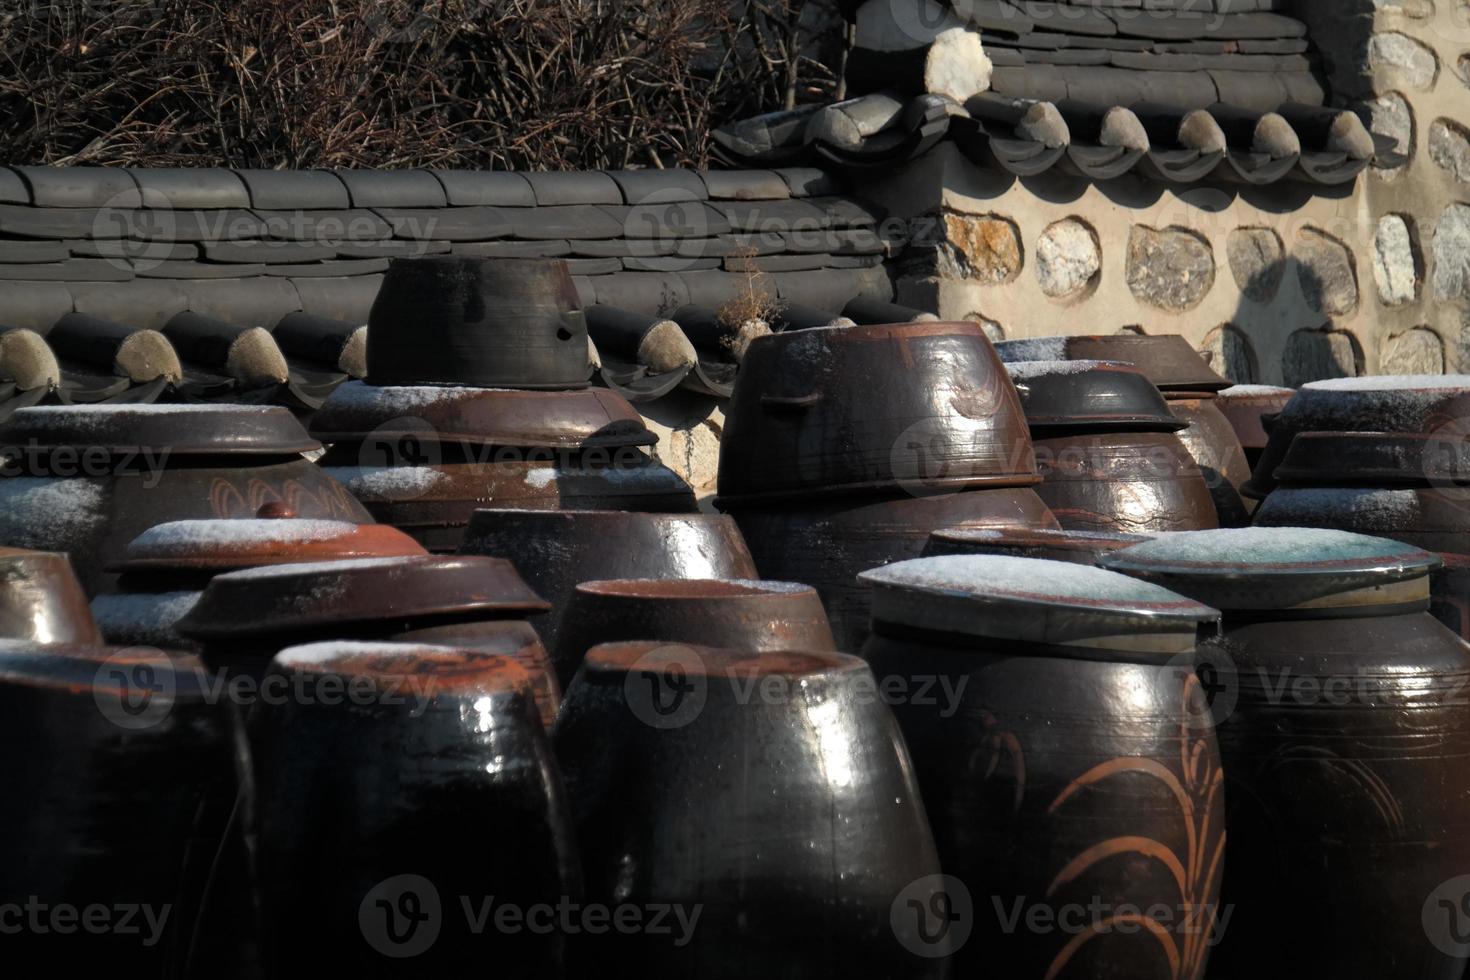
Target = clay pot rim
(147,553)
(1304,462)
(695,591)
(1063,540)
(1181,372)
(547,516)
(877,331)
(99,671)
(617,659)
(421,670)
(1060,392)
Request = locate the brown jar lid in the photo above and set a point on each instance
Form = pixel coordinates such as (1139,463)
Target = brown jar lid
(1072,546)
(108,674)
(192,430)
(223,545)
(1277,568)
(1167,360)
(1376,459)
(592,417)
(1104,396)
(280,598)
(1035,601)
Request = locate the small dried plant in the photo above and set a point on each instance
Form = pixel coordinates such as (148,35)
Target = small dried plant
(751,311)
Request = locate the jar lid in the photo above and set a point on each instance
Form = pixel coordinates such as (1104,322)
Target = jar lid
(1281,568)
(587,418)
(225,544)
(619,659)
(1167,360)
(192,430)
(1379,459)
(1091,395)
(114,676)
(1035,601)
(1071,546)
(279,598)
(421,671)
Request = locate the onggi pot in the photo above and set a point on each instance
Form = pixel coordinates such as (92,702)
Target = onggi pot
(1080,547)
(771,792)
(386,813)
(42,601)
(1052,715)
(1339,705)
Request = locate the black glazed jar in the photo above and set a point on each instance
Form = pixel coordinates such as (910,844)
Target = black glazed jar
(1339,703)
(1048,707)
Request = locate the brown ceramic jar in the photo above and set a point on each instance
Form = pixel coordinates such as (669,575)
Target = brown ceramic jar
(1076,808)
(1339,705)
(41,600)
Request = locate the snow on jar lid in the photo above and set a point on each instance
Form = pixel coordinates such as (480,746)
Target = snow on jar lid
(416,669)
(159,430)
(273,599)
(275,537)
(1035,601)
(1281,568)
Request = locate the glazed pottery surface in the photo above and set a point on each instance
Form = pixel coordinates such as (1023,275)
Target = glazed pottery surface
(1070,791)
(1125,482)
(41,600)
(1338,702)
(166,568)
(558,550)
(1080,547)
(826,544)
(1168,360)
(920,405)
(117,786)
(1375,459)
(789,818)
(1073,396)
(1211,440)
(381,817)
(92,478)
(1247,408)
(1433,518)
(731,614)
(492,323)
(1450,591)
(1434,407)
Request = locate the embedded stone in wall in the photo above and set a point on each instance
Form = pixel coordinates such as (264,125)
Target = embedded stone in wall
(1325,269)
(1257,261)
(1231,353)
(1171,269)
(985,249)
(1401,54)
(1451,250)
(1394,267)
(993,330)
(1067,259)
(1316,355)
(1449,147)
(1463,68)
(1417,351)
(1392,117)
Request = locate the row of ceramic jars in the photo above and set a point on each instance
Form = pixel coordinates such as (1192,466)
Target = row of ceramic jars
(1384,456)
(845,447)
(477,395)
(1091,778)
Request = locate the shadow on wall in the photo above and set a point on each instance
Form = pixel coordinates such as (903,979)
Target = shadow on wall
(1310,353)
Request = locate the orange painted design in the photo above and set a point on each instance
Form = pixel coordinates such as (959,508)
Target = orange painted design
(1197,790)
(227,500)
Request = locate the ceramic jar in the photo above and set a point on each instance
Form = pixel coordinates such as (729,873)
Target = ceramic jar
(424,458)
(1109,451)
(390,818)
(1250,409)
(1050,711)
(845,447)
(244,618)
(558,550)
(41,600)
(1187,382)
(1339,705)
(117,780)
(772,792)
(86,480)
(737,615)
(166,568)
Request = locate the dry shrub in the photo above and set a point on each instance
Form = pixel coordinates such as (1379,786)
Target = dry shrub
(515,84)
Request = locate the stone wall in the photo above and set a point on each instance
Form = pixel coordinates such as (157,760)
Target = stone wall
(1285,284)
